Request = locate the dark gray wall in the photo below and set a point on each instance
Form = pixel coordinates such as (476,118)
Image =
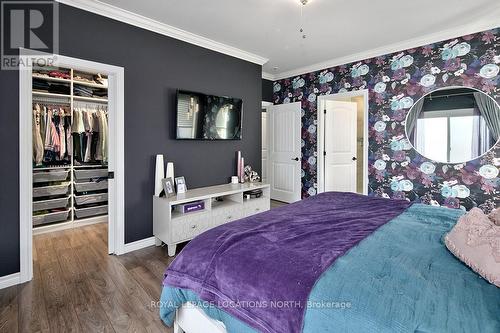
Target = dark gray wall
(267,90)
(155,66)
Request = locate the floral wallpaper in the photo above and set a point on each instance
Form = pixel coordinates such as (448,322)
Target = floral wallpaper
(395,81)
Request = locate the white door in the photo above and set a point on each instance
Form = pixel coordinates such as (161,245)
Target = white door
(340,146)
(284,155)
(264,147)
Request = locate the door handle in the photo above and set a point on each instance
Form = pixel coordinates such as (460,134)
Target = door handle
(295,159)
(354,158)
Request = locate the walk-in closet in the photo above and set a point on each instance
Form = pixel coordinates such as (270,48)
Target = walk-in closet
(70,148)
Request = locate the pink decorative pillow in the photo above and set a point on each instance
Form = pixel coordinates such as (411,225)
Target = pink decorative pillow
(495,216)
(475,240)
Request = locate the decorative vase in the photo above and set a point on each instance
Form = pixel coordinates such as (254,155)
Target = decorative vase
(238,164)
(159,174)
(242,170)
(170,170)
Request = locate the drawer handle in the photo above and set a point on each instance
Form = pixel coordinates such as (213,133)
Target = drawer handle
(257,209)
(193,226)
(229,217)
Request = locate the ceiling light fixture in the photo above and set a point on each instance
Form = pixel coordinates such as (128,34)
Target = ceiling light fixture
(304,3)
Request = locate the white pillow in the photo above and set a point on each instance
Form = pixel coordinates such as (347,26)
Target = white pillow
(475,240)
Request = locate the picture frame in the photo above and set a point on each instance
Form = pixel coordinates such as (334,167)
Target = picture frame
(168,187)
(180,182)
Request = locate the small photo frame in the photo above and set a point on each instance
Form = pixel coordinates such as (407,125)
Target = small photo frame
(168,187)
(180,182)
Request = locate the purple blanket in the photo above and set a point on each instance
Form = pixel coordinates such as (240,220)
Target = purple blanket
(261,269)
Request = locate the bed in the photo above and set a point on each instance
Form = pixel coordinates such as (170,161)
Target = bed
(335,262)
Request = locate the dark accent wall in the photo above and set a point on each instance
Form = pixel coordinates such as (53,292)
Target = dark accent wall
(267,90)
(155,66)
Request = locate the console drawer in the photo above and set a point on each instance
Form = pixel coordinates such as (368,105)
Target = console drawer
(188,227)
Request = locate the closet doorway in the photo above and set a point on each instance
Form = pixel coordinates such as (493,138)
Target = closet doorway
(343,142)
(71,150)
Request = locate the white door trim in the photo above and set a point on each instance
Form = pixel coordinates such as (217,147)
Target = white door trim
(321,131)
(116,206)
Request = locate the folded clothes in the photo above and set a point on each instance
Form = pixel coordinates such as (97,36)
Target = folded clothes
(40,85)
(89,92)
(60,75)
(100,93)
(57,88)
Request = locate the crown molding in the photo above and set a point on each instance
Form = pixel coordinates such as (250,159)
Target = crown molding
(268,76)
(143,22)
(485,23)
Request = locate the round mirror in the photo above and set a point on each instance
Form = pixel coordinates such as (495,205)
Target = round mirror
(453,125)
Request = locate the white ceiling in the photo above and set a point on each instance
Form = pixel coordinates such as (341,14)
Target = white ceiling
(336,29)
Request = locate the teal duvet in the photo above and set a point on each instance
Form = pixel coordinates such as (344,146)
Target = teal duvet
(399,279)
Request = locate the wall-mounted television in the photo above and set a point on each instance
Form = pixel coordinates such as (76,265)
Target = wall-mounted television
(208,117)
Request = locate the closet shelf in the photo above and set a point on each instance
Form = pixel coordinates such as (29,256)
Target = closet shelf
(91,211)
(50,176)
(90,99)
(50,204)
(52,79)
(41,93)
(51,217)
(91,186)
(83,166)
(89,84)
(53,190)
(91,173)
(91,198)
(62,167)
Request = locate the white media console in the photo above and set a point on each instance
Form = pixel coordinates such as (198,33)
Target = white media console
(223,203)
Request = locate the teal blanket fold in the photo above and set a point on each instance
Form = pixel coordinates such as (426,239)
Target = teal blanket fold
(401,278)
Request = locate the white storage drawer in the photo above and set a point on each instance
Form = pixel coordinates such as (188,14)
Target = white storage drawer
(51,217)
(91,211)
(256,206)
(91,186)
(91,173)
(222,216)
(46,191)
(91,198)
(188,227)
(50,204)
(50,176)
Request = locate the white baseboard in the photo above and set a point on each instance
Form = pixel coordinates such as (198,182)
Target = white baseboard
(137,245)
(10,280)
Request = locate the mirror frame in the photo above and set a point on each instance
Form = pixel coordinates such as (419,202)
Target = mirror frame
(446,88)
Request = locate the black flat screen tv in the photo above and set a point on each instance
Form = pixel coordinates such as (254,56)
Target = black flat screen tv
(208,117)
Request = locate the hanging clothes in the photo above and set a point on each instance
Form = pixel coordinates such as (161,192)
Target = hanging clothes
(102,144)
(88,121)
(38,148)
(53,124)
(78,129)
(90,135)
(67,127)
(62,135)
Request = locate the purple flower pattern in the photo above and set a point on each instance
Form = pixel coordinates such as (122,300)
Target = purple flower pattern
(394,82)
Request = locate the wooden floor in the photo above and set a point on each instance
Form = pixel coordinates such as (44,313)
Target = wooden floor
(78,287)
